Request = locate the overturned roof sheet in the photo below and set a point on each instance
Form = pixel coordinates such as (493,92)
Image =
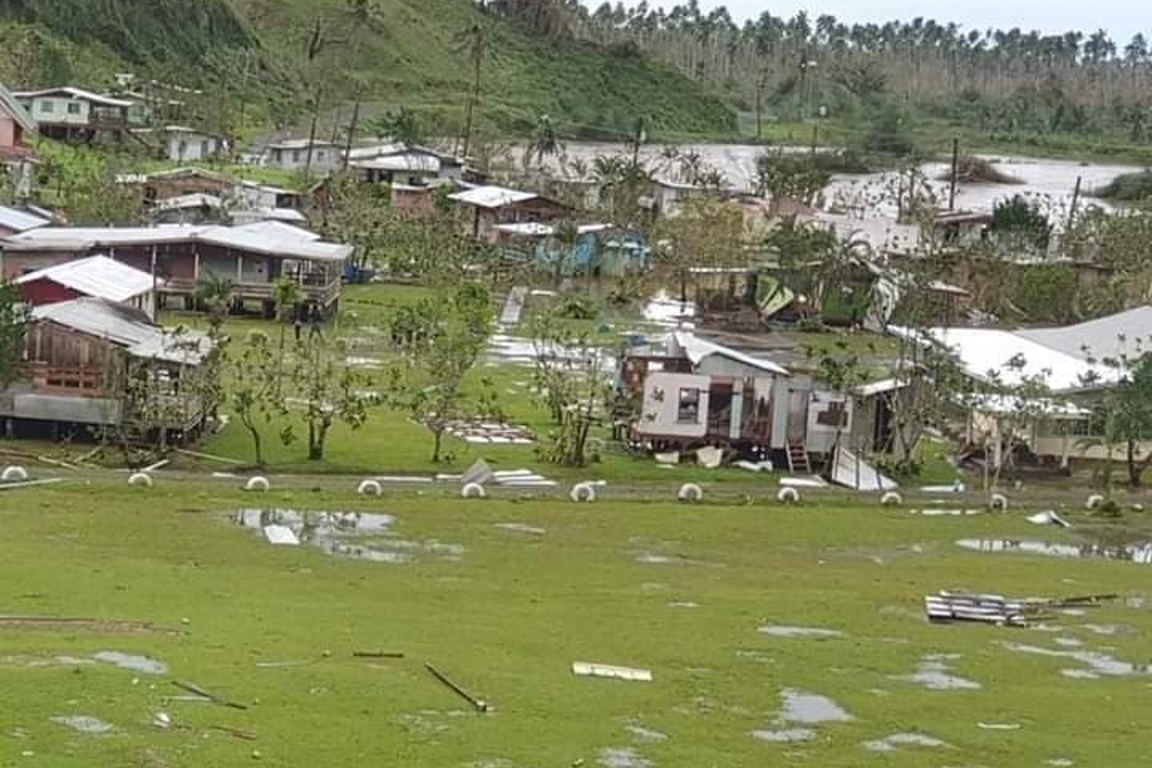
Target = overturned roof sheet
(492,197)
(128,328)
(77,93)
(17,220)
(10,106)
(696,349)
(97,276)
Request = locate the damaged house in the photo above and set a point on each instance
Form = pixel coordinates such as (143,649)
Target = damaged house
(695,393)
(92,367)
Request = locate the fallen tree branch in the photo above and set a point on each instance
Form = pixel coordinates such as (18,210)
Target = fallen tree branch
(193,688)
(479,704)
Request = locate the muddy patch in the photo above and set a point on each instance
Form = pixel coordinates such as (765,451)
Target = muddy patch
(782,630)
(1093,664)
(899,740)
(1140,553)
(87,724)
(353,535)
(934,674)
(141,664)
(622,757)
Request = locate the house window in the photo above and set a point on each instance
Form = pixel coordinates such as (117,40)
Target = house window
(47,106)
(204,151)
(295,155)
(688,406)
(73,107)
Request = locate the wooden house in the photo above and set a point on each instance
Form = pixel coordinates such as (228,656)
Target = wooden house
(91,365)
(76,115)
(491,205)
(178,182)
(97,277)
(253,257)
(694,393)
(17,158)
(407,164)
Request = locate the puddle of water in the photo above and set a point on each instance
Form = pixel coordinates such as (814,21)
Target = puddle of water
(336,534)
(1098,664)
(933,673)
(522,528)
(647,735)
(786,736)
(1134,553)
(780,630)
(135,663)
(898,740)
(84,724)
(622,757)
(811,709)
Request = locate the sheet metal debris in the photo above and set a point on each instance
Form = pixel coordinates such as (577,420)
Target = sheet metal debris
(588,669)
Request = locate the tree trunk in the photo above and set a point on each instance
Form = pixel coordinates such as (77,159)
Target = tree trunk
(257,441)
(312,132)
(1135,467)
(437,440)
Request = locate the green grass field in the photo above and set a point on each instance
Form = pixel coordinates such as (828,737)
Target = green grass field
(678,590)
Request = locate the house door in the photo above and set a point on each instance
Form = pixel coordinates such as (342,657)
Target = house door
(882,429)
(720,410)
(797,415)
(757,415)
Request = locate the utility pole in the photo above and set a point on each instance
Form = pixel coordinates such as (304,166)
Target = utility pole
(955,174)
(1075,202)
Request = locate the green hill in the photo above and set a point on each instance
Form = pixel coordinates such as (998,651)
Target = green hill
(408,56)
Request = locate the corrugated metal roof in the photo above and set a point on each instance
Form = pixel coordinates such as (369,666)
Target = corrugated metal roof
(1111,337)
(697,349)
(20,221)
(97,276)
(14,108)
(299,144)
(128,328)
(193,200)
(408,162)
(270,239)
(492,196)
(76,93)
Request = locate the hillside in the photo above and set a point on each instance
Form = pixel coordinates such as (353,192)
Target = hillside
(408,56)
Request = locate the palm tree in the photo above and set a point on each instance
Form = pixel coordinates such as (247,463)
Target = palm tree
(217,293)
(545,142)
(475,43)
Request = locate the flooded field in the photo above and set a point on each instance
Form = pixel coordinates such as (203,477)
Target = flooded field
(1139,553)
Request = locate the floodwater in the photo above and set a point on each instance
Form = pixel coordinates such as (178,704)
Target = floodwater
(934,674)
(786,736)
(1049,182)
(354,535)
(1140,553)
(84,724)
(135,663)
(897,740)
(778,630)
(622,757)
(1094,663)
(811,709)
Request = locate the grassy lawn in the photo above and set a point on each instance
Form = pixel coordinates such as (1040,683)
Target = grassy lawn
(275,629)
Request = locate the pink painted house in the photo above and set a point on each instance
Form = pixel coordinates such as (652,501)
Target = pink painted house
(17,157)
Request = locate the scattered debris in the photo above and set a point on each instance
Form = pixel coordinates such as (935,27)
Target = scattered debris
(130,661)
(238,733)
(998,726)
(84,724)
(281,535)
(522,528)
(162,720)
(1134,553)
(377,655)
(755,466)
(803,482)
(779,630)
(647,735)
(30,484)
(709,457)
(479,704)
(513,306)
(897,740)
(946,512)
(73,624)
(683,604)
(622,757)
(668,459)
(587,669)
(195,689)
(851,471)
(956,487)
(1048,517)
(996,609)
(787,736)
(491,433)
(157,466)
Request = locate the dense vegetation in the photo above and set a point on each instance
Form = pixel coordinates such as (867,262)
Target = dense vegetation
(390,53)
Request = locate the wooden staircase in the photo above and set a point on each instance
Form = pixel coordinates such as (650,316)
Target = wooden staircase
(798,462)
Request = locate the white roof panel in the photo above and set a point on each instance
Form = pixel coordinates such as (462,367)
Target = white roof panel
(20,221)
(697,349)
(1125,333)
(77,93)
(128,328)
(491,196)
(407,162)
(97,276)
